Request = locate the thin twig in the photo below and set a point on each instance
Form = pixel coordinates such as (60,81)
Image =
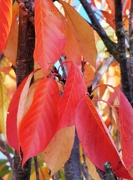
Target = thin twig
(85,168)
(4,150)
(101,71)
(36,168)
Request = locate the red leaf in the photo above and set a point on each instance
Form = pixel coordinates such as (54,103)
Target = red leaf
(95,139)
(40,122)
(73,93)
(50,39)
(126,131)
(5,21)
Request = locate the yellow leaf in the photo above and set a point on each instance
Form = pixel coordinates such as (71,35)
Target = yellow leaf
(43,174)
(7,88)
(83,32)
(59,149)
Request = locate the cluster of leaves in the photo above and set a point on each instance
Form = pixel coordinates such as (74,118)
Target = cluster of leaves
(42,117)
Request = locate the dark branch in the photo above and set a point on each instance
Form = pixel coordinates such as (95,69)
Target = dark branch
(120,33)
(36,168)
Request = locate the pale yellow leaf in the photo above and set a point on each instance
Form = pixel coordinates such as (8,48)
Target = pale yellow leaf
(59,149)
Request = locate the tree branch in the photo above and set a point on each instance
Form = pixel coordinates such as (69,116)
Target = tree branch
(110,45)
(4,150)
(120,33)
(36,168)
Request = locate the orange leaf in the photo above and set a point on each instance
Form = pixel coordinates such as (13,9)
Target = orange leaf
(126,132)
(73,93)
(83,33)
(96,140)
(72,50)
(10,50)
(5,21)
(50,38)
(88,74)
(111,7)
(40,122)
(58,151)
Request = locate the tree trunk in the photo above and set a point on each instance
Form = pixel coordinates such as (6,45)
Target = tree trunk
(25,65)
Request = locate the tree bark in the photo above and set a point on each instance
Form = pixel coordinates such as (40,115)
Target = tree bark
(72,166)
(25,65)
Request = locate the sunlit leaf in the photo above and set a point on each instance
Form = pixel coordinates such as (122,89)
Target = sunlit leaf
(73,93)
(49,29)
(58,151)
(83,33)
(40,122)
(5,21)
(95,139)
(6,91)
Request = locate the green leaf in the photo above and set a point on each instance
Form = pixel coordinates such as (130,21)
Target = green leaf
(3,161)
(5,170)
